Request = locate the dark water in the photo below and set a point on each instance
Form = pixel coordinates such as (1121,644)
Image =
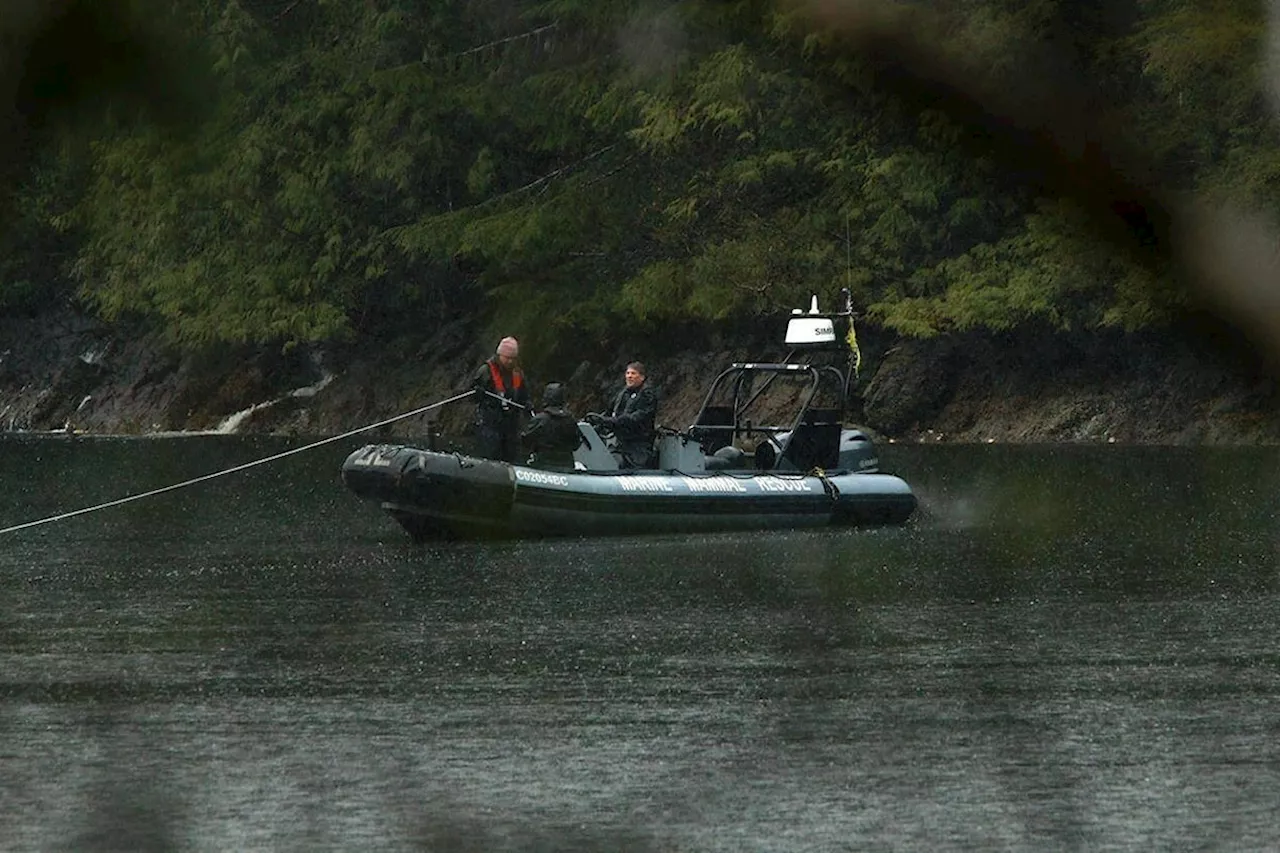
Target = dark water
(1070,648)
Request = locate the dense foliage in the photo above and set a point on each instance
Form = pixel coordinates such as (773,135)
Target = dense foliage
(563,165)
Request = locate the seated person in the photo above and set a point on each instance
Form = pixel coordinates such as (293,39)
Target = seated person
(631,420)
(552,435)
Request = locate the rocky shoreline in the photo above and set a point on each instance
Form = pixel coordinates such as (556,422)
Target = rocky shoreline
(71,373)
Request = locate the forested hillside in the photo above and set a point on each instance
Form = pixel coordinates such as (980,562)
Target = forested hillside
(351,168)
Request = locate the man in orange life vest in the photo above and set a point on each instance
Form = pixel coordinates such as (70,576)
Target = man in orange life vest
(497,421)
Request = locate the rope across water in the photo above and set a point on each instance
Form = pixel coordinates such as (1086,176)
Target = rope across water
(223,473)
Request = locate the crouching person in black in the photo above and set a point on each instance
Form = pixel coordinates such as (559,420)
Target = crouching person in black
(631,420)
(552,435)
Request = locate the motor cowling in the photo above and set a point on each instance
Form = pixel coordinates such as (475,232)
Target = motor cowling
(858,452)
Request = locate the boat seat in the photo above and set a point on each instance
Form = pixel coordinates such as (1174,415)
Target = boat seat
(678,452)
(818,417)
(713,440)
(814,445)
(766,455)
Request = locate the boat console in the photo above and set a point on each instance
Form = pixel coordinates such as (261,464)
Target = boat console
(676,451)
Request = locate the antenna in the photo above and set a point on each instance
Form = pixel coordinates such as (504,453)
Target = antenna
(848,254)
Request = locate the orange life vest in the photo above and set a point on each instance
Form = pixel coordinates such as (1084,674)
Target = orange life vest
(517,381)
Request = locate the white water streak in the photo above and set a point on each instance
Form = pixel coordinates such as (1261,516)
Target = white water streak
(232,422)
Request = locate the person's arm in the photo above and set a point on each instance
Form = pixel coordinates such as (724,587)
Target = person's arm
(482,380)
(642,414)
(603,421)
(531,435)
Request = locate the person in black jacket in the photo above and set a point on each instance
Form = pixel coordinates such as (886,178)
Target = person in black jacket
(501,397)
(631,420)
(552,435)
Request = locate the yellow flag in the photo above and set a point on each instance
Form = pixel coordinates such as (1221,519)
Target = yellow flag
(855,354)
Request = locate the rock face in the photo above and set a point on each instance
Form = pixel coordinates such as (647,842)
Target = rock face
(913,382)
(66,371)
(1030,387)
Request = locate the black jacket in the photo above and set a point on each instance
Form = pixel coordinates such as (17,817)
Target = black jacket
(552,436)
(632,420)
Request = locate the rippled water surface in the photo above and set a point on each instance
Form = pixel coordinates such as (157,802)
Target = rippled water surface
(1068,648)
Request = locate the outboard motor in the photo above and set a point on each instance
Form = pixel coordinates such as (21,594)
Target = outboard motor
(858,452)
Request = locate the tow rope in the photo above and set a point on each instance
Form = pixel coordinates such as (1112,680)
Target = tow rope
(194,480)
(832,490)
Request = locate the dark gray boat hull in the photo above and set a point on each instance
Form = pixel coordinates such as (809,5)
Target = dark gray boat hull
(436,495)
